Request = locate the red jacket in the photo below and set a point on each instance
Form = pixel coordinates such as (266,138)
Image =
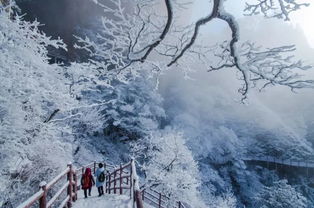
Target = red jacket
(87,180)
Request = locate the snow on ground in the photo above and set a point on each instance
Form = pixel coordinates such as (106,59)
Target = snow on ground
(106,201)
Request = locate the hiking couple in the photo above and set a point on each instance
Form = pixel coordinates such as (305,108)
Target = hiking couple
(87,180)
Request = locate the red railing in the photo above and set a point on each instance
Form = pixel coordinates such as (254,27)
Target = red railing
(124,179)
(120,179)
(70,187)
(158,200)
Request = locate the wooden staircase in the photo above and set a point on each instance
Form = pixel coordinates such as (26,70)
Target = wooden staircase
(121,180)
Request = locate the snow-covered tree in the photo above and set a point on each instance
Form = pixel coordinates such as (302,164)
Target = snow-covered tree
(280,195)
(228,200)
(171,169)
(32,92)
(125,110)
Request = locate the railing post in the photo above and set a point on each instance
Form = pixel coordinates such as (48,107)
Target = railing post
(139,203)
(107,181)
(143,194)
(95,163)
(70,191)
(109,187)
(115,181)
(159,201)
(43,199)
(121,181)
(106,177)
(131,180)
(133,191)
(106,184)
(75,186)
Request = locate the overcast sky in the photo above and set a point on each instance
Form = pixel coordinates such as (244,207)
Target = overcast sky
(304,17)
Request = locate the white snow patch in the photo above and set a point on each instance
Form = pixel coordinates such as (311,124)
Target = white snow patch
(105,201)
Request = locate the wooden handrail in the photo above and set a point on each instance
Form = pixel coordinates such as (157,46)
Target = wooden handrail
(41,196)
(64,202)
(159,201)
(122,177)
(151,191)
(70,186)
(58,178)
(29,202)
(122,187)
(152,195)
(56,196)
(136,188)
(116,182)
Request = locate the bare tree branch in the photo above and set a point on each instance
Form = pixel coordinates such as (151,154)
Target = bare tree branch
(234,39)
(198,24)
(52,115)
(131,39)
(149,48)
(280,9)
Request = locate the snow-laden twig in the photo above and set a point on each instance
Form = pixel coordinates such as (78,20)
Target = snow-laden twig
(280,9)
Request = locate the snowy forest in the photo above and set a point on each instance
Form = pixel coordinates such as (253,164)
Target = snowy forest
(212,98)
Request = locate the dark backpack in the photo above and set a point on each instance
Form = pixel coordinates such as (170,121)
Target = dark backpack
(101,177)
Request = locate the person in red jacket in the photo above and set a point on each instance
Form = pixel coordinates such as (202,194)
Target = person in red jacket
(87,181)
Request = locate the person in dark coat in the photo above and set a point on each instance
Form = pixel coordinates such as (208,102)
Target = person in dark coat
(87,182)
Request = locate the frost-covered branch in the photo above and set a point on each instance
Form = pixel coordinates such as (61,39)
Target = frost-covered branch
(280,9)
(124,33)
(162,36)
(198,24)
(265,67)
(275,66)
(233,51)
(128,38)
